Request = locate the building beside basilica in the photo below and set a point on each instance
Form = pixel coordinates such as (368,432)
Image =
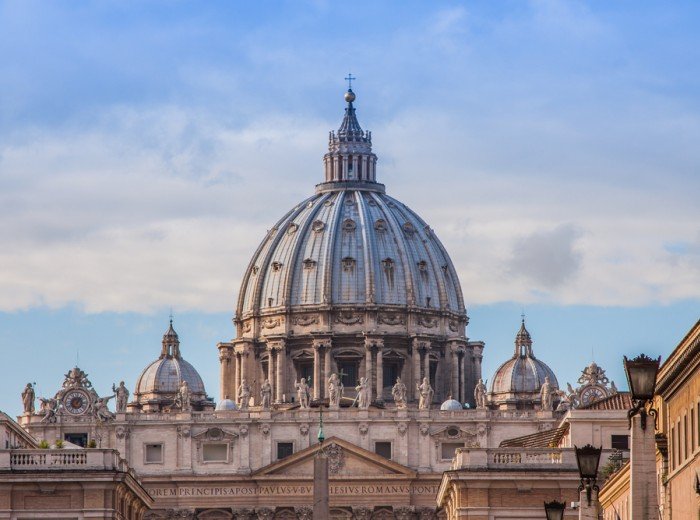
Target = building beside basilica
(350,305)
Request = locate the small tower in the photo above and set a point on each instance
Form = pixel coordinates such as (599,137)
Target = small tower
(350,157)
(171,343)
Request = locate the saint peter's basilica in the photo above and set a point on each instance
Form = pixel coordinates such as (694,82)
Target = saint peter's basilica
(350,306)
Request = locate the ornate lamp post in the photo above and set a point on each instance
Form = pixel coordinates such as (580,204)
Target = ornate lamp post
(587,460)
(554,510)
(641,377)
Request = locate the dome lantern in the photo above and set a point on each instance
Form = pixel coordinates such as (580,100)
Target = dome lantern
(350,157)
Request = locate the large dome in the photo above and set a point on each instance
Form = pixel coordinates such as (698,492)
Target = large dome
(353,246)
(350,281)
(350,244)
(518,381)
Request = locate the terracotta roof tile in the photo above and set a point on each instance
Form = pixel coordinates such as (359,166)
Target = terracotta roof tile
(619,401)
(545,439)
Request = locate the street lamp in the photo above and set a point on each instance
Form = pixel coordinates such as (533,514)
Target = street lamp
(641,377)
(587,460)
(554,510)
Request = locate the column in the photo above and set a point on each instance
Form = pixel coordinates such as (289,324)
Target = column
(281,363)
(416,369)
(644,502)
(327,367)
(244,365)
(380,373)
(237,379)
(426,363)
(225,376)
(464,365)
(344,172)
(368,367)
(586,512)
(455,376)
(317,371)
(270,369)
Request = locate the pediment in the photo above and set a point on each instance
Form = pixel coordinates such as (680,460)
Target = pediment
(215,434)
(455,432)
(344,460)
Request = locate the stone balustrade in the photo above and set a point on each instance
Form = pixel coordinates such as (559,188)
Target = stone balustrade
(63,459)
(505,458)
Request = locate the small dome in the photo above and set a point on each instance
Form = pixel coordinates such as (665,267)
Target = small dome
(226,404)
(165,375)
(451,405)
(518,380)
(160,381)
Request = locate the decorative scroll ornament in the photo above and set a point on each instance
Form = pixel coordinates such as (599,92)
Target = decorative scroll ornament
(429,322)
(336,458)
(265,513)
(404,512)
(270,323)
(349,318)
(305,319)
(361,513)
(391,318)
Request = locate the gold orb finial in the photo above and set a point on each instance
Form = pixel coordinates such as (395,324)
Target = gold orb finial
(349,96)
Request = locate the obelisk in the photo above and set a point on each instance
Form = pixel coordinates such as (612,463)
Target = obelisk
(321,498)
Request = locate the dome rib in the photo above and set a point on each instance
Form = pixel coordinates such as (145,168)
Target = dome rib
(367,249)
(301,240)
(399,240)
(245,283)
(264,268)
(329,263)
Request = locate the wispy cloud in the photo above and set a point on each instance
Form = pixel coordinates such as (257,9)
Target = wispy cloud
(139,171)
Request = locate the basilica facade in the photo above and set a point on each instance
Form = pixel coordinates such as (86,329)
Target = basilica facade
(350,308)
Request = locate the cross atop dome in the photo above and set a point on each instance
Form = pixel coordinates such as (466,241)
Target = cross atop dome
(350,79)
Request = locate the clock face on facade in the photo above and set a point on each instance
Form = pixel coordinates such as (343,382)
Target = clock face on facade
(76,402)
(592,393)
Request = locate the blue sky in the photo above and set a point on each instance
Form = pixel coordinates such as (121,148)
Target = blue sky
(145,148)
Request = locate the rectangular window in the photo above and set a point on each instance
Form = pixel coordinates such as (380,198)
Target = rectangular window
(448,449)
(215,452)
(348,373)
(620,442)
(383,449)
(284,449)
(79,439)
(685,437)
(154,453)
(692,430)
(672,448)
